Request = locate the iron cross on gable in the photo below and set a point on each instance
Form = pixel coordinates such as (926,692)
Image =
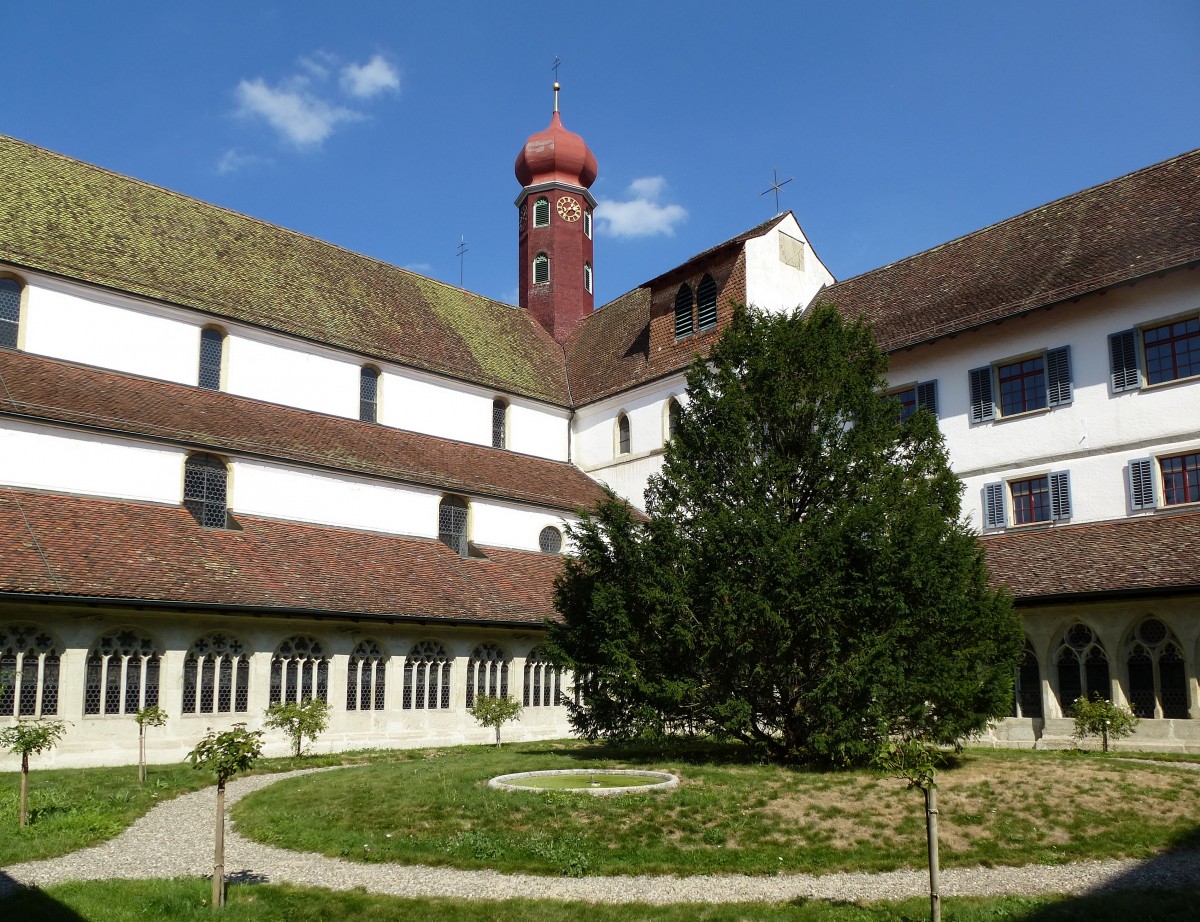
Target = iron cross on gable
(776,185)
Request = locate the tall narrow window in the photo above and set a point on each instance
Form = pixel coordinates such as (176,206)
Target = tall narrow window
(499,423)
(204,481)
(365,676)
(122,674)
(541,269)
(299,671)
(426,677)
(212,346)
(587,223)
(623,435)
(29,661)
(10,311)
(683,311)
(706,303)
(452,524)
(541,212)
(543,681)
(587,277)
(1029,685)
(368,395)
(674,411)
(216,676)
(487,672)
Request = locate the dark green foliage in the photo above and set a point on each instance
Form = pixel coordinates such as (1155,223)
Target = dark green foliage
(803,582)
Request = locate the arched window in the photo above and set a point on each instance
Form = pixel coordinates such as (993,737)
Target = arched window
(487,672)
(541,269)
(587,223)
(623,442)
(550,540)
(541,212)
(1029,685)
(1082,667)
(204,481)
(674,411)
(683,311)
(1157,682)
(543,681)
(299,671)
(452,524)
(427,677)
(365,677)
(706,303)
(216,676)
(122,674)
(368,395)
(499,423)
(10,311)
(212,347)
(587,277)
(29,660)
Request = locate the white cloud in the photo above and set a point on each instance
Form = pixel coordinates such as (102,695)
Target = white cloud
(291,109)
(366,80)
(233,160)
(641,214)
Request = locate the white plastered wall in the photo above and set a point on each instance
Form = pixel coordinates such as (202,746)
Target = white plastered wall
(772,283)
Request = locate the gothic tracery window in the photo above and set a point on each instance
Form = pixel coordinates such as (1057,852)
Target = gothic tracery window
(122,674)
(1028,701)
(365,677)
(299,671)
(29,663)
(216,676)
(427,677)
(1082,667)
(1157,680)
(543,681)
(487,672)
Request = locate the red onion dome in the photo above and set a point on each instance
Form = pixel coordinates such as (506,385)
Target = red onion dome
(556,155)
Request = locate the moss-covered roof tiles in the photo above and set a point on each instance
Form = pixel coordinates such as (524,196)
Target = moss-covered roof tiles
(62,216)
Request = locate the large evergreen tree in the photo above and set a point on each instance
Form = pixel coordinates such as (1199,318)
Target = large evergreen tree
(803,580)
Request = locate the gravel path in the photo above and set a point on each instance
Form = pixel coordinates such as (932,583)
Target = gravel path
(154,847)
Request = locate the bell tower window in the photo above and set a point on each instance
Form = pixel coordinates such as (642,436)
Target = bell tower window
(541,269)
(541,212)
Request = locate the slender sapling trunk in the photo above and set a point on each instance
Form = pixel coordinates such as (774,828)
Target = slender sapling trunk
(931,815)
(497,737)
(218,881)
(24,788)
(142,753)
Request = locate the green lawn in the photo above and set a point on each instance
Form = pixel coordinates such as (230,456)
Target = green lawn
(186,901)
(729,814)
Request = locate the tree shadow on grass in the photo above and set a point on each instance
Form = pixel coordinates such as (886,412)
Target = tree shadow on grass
(30,904)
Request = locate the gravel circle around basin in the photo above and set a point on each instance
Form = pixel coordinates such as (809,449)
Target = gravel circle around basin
(175,840)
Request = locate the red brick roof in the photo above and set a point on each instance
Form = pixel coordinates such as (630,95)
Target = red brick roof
(1152,553)
(80,547)
(47,389)
(1125,229)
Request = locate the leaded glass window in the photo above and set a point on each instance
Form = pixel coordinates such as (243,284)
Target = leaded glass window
(499,423)
(216,676)
(1157,682)
(452,524)
(550,540)
(10,311)
(299,671)
(427,677)
(623,441)
(541,269)
(368,395)
(487,672)
(1082,667)
(706,303)
(122,674)
(204,480)
(29,663)
(543,681)
(212,345)
(674,411)
(366,676)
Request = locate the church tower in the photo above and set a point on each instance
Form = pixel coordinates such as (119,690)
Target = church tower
(555,169)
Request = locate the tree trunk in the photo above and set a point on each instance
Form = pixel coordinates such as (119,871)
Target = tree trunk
(299,742)
(931,815)
(141,753)
(497,737)
(1104,735)
(218,880)
(24,789)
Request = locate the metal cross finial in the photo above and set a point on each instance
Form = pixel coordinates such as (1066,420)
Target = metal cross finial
(555,67)
(462,251)
(776,186)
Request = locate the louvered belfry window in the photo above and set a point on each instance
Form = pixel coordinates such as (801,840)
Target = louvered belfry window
(204,482)
(212,345)
(541,269)
(452,524)
(706,303)
(541,212)
(10,312)
(683,311)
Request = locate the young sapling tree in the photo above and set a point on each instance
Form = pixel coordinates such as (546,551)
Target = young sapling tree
(306,719)
(491,711)
(1102,718)
(916,761)
(149,716)
(225,755)
(26,738)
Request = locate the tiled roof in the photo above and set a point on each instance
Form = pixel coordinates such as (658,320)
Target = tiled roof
(73,546)
(1144,554)
(1125,229)
(62,216)
(48,389)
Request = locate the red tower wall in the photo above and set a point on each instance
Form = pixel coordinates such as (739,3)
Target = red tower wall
(560,304)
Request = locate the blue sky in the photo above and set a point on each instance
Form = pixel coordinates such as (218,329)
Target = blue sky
(391,128)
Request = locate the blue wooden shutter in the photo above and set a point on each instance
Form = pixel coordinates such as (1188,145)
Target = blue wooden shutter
(1060,495)
(927,396)
(1141,483)
(993,505)
(982,407)
(1058,376)
(1123,361)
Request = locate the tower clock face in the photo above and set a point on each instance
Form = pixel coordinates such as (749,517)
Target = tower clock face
(568,209)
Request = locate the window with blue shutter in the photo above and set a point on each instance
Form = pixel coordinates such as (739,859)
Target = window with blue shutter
(1124,372)
(1141,483)
(1058,376)
(1060,496)
(993,505)
(927,396)
(982,406)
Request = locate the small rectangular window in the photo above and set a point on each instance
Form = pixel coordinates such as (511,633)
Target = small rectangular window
(921,396)
(1024,385)
(368,395)
(1034,499)
(1180,479)
(1172,350)
(212,345)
